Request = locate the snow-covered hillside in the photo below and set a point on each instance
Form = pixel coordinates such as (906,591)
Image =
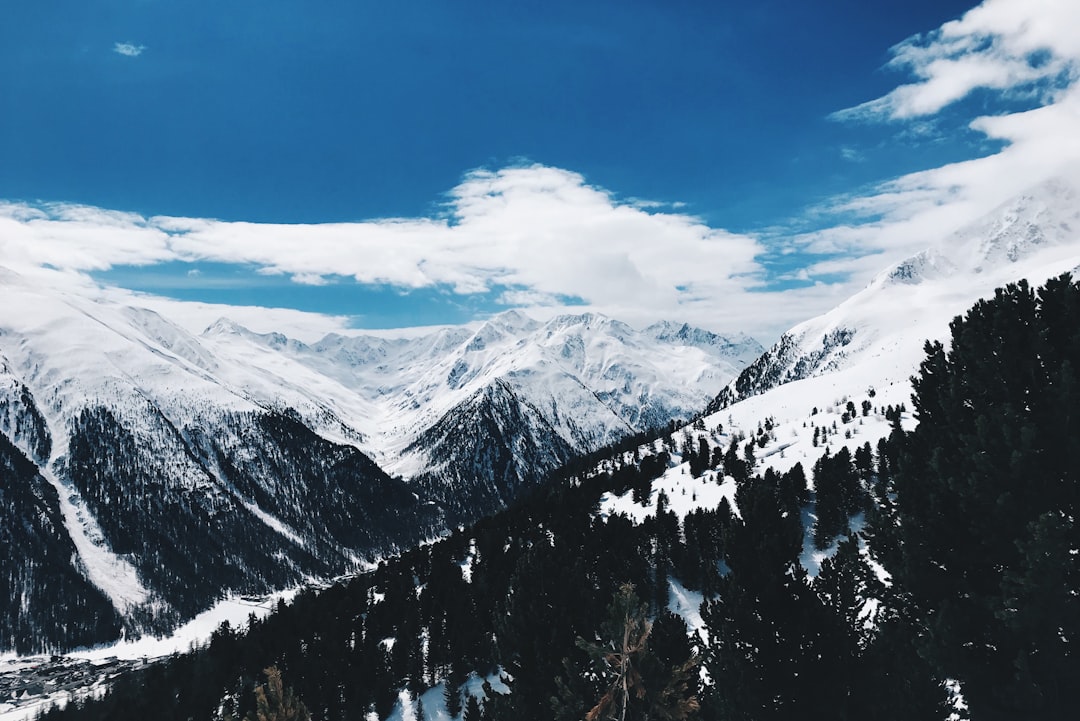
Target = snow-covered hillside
(166,468)
(834,381)
(794,400)
(878,333)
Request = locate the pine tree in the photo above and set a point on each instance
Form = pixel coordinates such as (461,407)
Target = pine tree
(473,712)
(671,671)
(626,633)
(274,702)
(766,653)
(452,691)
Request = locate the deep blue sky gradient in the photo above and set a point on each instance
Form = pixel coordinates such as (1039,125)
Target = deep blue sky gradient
(307,112)
(338,110)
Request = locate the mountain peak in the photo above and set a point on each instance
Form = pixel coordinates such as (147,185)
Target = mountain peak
(929,264)
(589,321)
(514,321)
(1046,215)
(225,327)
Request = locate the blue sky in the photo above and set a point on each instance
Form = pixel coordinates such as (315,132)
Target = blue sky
(720,121)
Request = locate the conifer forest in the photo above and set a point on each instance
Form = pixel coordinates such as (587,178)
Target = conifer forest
(949,584)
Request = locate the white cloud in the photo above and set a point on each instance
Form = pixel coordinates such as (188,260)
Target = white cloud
(130,50)
(1009,47)
(1006,45)
(534,235)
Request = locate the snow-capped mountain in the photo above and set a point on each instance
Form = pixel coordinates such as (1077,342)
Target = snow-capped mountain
(1034,236)
(472,414)
(831,382)
(149,471)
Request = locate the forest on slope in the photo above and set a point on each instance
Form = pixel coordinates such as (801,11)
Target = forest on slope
(957,593)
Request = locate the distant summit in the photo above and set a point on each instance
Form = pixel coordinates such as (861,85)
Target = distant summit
(1035,236)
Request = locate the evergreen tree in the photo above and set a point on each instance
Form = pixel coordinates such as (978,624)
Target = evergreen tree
(671,671)
(838,495)
(473,712)
(274,702)
(988,492)
(620,653)
(452,693)
(699,461)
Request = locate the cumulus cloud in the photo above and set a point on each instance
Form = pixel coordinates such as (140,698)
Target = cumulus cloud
(130,50)
(533,236)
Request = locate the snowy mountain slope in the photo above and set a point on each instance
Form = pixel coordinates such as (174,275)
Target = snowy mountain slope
(792,405)
(1033,236)
(580,382)
(866,350)
(177,468)
(178,476)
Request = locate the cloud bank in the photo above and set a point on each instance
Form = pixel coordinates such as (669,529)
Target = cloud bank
(536,236)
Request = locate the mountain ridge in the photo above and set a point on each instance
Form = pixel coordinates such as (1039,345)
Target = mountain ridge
(1033,235)
(185,467)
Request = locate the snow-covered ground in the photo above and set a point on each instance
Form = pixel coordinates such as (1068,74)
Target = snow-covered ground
(431,705)
(44,678)
(685,493)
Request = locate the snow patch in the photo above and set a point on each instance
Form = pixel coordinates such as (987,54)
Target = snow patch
(686,604)
(685,493)
(275,523)
(235,610)
(114,575)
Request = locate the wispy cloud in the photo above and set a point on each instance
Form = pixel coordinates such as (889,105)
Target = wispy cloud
(1007,48)
(852,155)
(1028,46)
(130,50)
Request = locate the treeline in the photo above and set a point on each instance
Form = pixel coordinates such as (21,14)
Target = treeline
(972,513)
(521,591)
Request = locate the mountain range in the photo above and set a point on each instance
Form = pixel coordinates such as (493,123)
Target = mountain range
(149,471)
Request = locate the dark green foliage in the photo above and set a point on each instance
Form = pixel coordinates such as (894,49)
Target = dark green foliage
(770,654)
(700,459)
(988,490)
(839,494)
(36,570)
(473,712)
